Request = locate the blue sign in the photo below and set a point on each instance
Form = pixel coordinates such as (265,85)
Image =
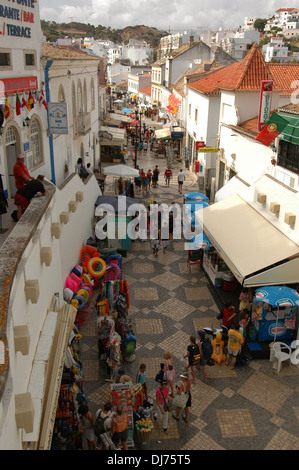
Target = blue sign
(57,118)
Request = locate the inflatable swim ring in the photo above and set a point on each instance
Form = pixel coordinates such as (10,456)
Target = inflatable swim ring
(94,265)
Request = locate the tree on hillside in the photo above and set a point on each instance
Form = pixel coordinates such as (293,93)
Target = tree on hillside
(259,24)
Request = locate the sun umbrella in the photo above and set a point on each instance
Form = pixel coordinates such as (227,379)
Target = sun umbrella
(126,110)
(121,170)
(116,205)
(201,241)
(278,296)
(195,197)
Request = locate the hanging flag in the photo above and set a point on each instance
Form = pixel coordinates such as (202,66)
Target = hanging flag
(18,105)
(6,108)
(30,104)
(274,126)
(42,99)
(24,101)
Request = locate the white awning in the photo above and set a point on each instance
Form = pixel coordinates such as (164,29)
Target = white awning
(255,250)
(118,136)
(234,186)
(117,118)
(162,133)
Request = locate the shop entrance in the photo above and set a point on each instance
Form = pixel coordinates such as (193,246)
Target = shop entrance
(11,151)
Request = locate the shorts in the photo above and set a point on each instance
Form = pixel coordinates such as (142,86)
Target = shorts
(120,436)
(233,353)
(21,201)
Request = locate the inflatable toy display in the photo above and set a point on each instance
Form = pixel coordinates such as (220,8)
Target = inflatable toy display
(96,267)
(218,344)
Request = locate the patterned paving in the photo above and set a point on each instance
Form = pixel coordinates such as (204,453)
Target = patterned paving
(249,408)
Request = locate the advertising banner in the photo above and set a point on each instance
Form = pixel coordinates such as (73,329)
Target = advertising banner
(265,103)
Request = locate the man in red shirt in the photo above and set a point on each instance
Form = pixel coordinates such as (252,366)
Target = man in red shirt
(21,172)
(168,175)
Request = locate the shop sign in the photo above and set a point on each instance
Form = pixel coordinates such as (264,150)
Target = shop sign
(18,84)
(208,149)
(57,116)
(12,12)
(199,144)
(265,103)
(177,135)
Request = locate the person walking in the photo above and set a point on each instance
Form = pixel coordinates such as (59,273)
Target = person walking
(86,425)
(183,388)
(193,356)
(169,371)
(120,428)
(24,195)
(234,345)
(181,179)
(162,404)
(167,175)
(20,172)
(155,177)
(149,176)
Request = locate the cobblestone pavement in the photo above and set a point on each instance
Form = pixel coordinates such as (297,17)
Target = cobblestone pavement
(249,408)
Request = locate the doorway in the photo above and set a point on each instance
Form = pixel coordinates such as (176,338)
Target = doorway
(12,145)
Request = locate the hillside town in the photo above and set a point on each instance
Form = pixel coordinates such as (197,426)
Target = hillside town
(199,136)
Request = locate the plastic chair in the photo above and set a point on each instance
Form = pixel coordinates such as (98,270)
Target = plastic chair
(281,355)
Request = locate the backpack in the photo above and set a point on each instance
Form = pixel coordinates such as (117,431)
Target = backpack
(83,173)
(99,425)
(159,376)
(207,349)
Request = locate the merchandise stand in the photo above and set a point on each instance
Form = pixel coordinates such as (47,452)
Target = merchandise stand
(121,394)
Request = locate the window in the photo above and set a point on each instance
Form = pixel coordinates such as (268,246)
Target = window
(29,60)
(189,111)
(92,94)
(35,141)
(196,115)
(288,155)
(5,59)
(61,95)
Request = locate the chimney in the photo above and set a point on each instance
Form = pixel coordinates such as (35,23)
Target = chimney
(207,67)
(191,40)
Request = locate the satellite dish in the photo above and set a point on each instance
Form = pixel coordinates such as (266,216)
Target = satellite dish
(1,117)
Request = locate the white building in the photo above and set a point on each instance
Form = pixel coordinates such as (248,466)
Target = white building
(276,50)
(138,52)
(45,244)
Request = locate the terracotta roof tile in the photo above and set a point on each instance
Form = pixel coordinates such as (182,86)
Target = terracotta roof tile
(147,90)
(65,52)
(245,75)
(284,75)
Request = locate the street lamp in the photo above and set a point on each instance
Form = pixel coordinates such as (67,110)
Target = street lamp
(138,118)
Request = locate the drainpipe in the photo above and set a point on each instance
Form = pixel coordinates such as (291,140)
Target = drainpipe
(47,80)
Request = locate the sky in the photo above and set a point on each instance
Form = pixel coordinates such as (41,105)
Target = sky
(167,15)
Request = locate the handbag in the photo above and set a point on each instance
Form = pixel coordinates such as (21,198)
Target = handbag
(167,406)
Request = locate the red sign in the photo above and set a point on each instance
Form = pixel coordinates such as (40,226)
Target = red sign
(265,103)
(199,144)
(18,84)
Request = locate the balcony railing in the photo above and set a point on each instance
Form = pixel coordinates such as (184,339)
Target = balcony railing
(83,123)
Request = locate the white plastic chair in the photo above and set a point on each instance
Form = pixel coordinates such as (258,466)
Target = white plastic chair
(280,354)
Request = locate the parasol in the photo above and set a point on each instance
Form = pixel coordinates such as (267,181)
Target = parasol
(121,170)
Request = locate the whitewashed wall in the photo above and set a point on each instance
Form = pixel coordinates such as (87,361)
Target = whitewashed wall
(65,254)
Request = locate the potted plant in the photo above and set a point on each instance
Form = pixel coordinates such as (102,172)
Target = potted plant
(273,161)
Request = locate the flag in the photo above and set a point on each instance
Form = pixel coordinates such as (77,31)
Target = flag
(18,105)
(24,101)
(273,127)
(42,99)
(30,104)
(6,108)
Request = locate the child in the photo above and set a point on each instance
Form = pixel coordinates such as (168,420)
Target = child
(141,379)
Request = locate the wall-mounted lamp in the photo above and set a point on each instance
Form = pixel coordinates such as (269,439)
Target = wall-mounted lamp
(26,122)
(69,72)
(87,154)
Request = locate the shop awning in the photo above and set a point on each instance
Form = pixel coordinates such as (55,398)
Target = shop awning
(162,133)
(115,118)
(254,250)
(233,186)
(118,136)
(291,131)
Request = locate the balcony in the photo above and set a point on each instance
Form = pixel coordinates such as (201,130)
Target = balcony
(83,123)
